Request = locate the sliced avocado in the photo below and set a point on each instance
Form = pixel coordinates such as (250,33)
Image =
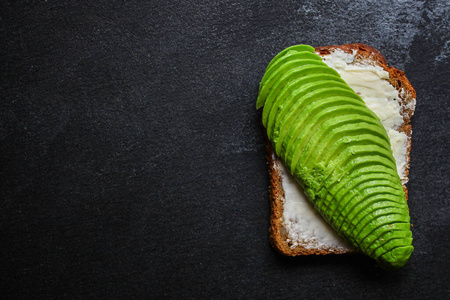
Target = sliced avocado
(349,182)
(391,215)
(333,127)
(287,58)
(349,145)
(382,213)
(363,211)
(318,114)
(389,240)
(312,67)
(374,243)
(271,78)
(392,246)
(336,172)
(342,154)
(291,94)
(359,201)
(385,243)
(340,138)
(355,186)
(382,227)
(379,246)
(279,79)
(331,138)
(361,168)
(300,95)
(394,215)
(376,198)
(388,214)
(359,196)
(295,140)
(295,117)
(396,256)
(295,48)
(358,188)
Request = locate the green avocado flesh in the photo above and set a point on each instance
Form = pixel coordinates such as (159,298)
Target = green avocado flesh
(338,151)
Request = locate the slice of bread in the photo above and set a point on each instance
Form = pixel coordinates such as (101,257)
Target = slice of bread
(295,227)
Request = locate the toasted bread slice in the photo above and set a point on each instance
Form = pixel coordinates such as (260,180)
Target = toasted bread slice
(295,227)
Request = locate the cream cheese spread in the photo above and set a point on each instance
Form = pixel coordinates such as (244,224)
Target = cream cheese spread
(303,224)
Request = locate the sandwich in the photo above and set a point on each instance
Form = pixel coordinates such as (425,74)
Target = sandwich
(338,143)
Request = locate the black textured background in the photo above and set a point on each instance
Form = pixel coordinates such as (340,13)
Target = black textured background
(133,162)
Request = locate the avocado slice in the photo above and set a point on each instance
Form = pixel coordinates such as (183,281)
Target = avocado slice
(364,237)
(351,181)
(291,50)
(334,168)
(316,115)
(374,223)
(294,91)
(377,197)
(396,256)
(343,139)
(388,214)
(296,116)
(296,134)
(355,186)
(359,168)
(295,48)
(333,147)
(374,200)
(398,228)
(280,78)
(333,126)
(277,130)
(288,58)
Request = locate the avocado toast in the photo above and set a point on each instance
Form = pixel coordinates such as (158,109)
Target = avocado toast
(351,160)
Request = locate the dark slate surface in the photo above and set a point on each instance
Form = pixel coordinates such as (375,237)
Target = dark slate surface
(133,162)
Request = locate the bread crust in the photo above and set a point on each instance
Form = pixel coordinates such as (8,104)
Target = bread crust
(407,94)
